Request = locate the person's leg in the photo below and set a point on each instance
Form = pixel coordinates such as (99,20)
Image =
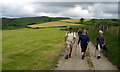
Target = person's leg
(82,51)
(71,46)
(99,51)
(67,51)
(85,48)
(83,55)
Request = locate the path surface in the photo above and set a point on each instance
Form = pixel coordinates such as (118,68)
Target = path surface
(76,63)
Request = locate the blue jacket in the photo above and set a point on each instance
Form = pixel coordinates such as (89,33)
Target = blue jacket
(84,39)
(79,32)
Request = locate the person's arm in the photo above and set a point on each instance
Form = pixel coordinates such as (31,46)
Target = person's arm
(74,37)
(65,38)
(96,40)
(79,39)
(104,40)
(88,40)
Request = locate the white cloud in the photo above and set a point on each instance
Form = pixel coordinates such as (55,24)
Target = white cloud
(49,14)
(76,11)
(28,9)
(17,8)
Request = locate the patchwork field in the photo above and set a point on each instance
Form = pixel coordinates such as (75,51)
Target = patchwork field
(53,24)
(74,20)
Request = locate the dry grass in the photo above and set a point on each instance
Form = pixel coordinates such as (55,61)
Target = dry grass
(74,20)
(53,24)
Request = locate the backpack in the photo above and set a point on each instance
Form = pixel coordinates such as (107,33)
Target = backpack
(69,32)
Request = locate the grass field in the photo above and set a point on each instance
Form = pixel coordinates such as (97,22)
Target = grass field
(32,49)
(53,24)
(39,49)
(74,20)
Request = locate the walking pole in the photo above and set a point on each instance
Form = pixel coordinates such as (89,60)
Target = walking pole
(95,51)
(65,45)
(76,53)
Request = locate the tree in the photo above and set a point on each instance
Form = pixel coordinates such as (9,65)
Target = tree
(81,20)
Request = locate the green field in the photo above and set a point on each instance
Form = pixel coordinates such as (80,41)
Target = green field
(40,49)
(53,24)
(32,49)
(17,23)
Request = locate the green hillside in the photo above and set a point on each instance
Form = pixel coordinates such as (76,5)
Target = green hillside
(15,23)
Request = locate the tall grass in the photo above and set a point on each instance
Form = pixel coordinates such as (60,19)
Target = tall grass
(112,41)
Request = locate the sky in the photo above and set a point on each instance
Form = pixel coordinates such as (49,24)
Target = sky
(59,8)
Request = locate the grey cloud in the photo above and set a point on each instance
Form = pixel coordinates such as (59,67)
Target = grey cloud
(85,9)
(63,4)
(77,0)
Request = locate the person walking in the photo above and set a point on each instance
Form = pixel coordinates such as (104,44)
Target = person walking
(70,39)
(83,40)
(100,43)
(79,32)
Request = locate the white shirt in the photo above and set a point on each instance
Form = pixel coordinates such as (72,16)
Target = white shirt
(70,37)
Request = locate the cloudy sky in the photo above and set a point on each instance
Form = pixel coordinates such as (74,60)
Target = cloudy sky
(60,8)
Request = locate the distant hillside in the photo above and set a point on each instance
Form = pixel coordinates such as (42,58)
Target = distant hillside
(8,23)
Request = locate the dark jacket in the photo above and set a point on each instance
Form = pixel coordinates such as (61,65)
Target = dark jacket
(79,32)
(84,39)
(100,39)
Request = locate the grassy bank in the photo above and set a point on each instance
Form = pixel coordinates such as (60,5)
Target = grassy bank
(32,49)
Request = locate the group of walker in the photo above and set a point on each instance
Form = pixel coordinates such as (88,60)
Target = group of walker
(70,39)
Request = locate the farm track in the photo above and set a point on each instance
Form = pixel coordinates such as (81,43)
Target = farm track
(89,63)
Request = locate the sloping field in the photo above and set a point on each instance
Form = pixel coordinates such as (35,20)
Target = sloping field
(74,20)
(52,24)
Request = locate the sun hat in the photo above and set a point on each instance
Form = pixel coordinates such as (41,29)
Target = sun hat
(100,31)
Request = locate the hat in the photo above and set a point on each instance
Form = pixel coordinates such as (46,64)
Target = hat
(100,31)
(70,28)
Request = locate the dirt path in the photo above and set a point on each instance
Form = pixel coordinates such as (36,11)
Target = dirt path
(102,63)
(89,63)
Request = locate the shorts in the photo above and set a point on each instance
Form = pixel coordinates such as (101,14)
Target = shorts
(69,45)
(83,47)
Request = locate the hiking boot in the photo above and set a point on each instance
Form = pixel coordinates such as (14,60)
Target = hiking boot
(66,57)
(98,57)
(83,57)
(69,55)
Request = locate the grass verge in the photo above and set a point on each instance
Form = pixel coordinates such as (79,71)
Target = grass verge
(32,49)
